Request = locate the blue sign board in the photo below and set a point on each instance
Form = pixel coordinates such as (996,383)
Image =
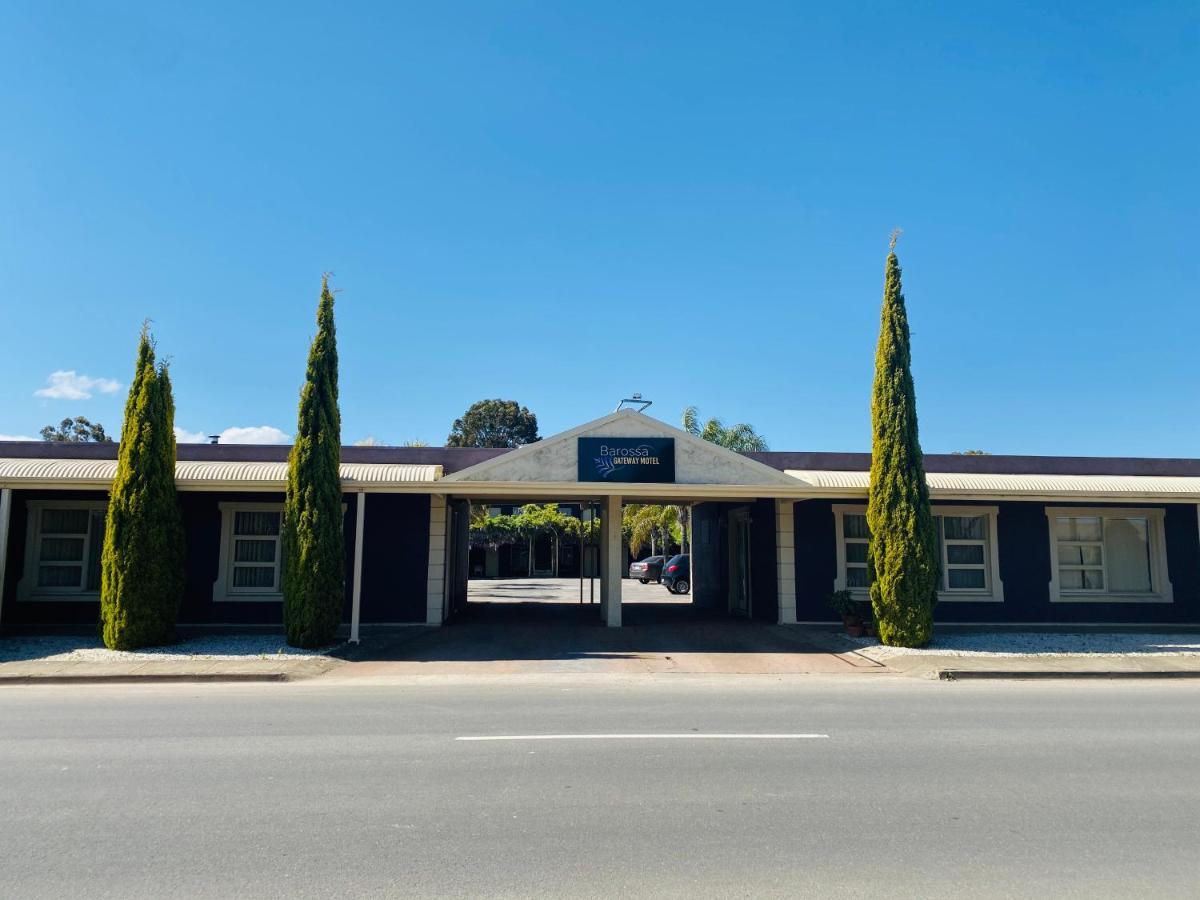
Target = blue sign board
(627,460)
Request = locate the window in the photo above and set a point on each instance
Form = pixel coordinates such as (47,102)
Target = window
(856,536)
(969,560)
(250,552)
(1107,555)
(63,551)
(963,542)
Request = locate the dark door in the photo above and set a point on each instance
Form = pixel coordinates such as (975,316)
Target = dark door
(739,562)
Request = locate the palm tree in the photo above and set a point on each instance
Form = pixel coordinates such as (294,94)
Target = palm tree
(740,437)
(650,524)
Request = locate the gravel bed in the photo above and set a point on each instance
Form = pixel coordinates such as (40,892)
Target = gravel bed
(77,648)
(1033,644)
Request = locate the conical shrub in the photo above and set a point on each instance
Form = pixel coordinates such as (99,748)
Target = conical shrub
(314,561)
(903,550)
(142,565)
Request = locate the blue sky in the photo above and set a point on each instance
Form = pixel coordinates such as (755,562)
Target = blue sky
(564,203)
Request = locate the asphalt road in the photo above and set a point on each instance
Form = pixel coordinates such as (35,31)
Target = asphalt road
(921,789)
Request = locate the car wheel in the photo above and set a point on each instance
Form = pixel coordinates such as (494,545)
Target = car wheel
(644,580)
(681,586)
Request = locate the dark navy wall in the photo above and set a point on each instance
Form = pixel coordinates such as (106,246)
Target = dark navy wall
(38,612)
(816,560)
(763,575)
(709,577)
(202,533)
(1024,547)
(202,536)
(395,558)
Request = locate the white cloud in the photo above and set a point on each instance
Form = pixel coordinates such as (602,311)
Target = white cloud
(190,437)
(16,437)
(70,385)
(254,434)
(368,442)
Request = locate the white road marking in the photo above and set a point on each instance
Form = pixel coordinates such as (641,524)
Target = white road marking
(641,737)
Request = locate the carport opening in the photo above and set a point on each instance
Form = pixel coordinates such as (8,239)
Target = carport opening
(540,561)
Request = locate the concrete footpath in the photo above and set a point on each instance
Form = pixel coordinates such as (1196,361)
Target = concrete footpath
(187,671)
(484,650)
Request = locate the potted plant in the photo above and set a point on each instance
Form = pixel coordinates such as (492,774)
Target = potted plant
(844,604)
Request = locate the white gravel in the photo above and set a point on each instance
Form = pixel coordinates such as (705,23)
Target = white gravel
(1036,644)
(91,649)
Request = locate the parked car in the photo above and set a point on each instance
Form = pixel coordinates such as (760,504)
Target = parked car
(648,569)
(677,574)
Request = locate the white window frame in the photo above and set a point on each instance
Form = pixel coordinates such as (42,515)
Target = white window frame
(27,587)
(840,511)
(1160,582)
(993,593)
(223,589)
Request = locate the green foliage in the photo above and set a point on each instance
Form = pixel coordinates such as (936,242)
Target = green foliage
(494,423)
(141,566)
(842,603)
(78,430)
(534,520)
(314,560)
(740,437)
(903,551)
(650,524)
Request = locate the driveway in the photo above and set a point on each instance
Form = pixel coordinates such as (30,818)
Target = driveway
(538,626)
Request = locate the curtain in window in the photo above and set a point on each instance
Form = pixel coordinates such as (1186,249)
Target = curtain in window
(1127,544)
(250,522)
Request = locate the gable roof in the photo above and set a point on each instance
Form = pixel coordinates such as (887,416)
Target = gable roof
(555,459)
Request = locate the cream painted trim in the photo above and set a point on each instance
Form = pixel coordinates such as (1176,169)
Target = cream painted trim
(785,560)
(360,510)
(5,517)
(27,589)
(840,510)
(1160,579)
(223,591)
(995,592)
(995,589)
(435,584)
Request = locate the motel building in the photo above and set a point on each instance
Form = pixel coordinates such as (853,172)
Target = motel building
(1023,539)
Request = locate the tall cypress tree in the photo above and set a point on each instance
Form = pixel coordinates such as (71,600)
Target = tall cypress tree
(141,568)
(903,551)
(313,549)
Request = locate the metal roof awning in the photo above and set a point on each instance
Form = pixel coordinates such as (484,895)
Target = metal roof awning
(1026,487)
(197,475)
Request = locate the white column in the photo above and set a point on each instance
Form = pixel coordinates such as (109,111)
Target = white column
(5,516)
(360,507)
(610,587)
(785,560)
(435,592)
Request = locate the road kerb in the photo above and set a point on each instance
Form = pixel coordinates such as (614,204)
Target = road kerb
(150,678)
(1060,674)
